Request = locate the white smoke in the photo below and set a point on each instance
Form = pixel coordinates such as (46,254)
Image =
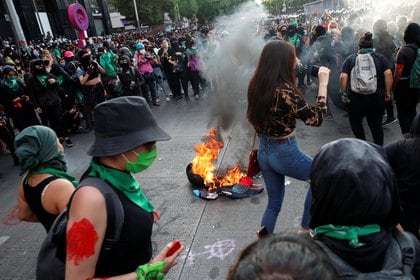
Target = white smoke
(230,61)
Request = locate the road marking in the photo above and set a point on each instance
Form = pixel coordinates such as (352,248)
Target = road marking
(3,239)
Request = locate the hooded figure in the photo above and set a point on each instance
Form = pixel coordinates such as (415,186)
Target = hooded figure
(355,203)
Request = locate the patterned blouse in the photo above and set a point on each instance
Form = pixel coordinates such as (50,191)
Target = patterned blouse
(289,106)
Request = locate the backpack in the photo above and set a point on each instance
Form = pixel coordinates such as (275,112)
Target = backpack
(398,262)
(52,255)
(415,71)
(363,78)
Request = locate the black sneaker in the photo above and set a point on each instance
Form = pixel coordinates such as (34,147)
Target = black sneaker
(68,143)
(389,121)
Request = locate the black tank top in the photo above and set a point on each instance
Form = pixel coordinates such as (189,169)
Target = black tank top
(134,247)
(33,198)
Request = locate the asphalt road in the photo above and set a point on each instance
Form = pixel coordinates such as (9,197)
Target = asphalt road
(213,232)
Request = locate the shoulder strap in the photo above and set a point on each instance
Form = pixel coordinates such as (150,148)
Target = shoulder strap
(406,242)
(114,208)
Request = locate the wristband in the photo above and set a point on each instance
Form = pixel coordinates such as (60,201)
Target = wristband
(151,271)
(342,92)
(345,94)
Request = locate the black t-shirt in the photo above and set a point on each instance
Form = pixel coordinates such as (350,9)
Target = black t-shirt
(381,64)
(406,56)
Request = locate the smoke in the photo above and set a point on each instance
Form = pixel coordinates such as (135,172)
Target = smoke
(230,61)
(388,10)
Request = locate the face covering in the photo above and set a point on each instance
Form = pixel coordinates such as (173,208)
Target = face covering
(11,82)
(143,51)
(144,160)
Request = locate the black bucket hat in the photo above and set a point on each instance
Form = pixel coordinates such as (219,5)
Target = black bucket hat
(123,123)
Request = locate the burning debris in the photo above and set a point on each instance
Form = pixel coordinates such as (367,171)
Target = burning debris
(202,172)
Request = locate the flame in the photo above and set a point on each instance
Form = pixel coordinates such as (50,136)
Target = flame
(202,164)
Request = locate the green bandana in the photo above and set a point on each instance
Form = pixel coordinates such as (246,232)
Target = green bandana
(294,40)
(56,172)
(11,83)
(36,147)
(60,80)
(124,181)
(366,50)
(350,233)
(42,79)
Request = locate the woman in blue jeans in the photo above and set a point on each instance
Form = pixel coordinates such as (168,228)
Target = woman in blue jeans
(274,104)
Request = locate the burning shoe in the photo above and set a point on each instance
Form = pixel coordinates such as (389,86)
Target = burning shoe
(245,188)
(205,194)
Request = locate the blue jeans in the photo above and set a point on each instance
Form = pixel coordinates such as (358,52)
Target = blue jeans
(276,161)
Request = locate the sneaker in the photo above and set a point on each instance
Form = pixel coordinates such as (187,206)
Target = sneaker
(68,143)
(196,97)
(168,99)
(156,103)
(389,121)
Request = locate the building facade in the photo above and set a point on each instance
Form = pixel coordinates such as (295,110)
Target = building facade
(39,17)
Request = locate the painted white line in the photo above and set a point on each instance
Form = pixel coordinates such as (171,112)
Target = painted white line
(3,239)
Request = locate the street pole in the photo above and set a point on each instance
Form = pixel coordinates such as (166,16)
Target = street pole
(39,19)
(137,16)
(15,21)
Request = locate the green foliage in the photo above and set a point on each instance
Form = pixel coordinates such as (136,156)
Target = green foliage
(275,7)
(151,11)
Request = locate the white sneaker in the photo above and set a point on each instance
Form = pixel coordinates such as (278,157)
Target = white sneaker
(168,99)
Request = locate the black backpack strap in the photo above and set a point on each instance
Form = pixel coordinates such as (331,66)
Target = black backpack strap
(408,251)
(114,208)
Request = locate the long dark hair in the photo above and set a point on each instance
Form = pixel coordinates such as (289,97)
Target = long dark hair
(276,65)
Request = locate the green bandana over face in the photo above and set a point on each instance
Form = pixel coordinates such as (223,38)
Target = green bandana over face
(11,83)
(42,79)
(350,233)
(123,181)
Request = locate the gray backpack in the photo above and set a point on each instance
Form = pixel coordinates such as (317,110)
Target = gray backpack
(398,262)
(52,255)
(363,78)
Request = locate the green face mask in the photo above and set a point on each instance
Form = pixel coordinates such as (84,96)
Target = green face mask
(144,160)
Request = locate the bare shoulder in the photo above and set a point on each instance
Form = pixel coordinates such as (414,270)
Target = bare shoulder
(88,196)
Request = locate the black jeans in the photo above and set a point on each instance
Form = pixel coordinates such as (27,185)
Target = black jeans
(372,107)
(406,99)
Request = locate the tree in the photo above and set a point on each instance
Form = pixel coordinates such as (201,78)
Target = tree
(275,6)
(150,11)
(188,8)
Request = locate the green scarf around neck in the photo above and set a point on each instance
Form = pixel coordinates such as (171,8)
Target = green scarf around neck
(56,172)
(349,233)
(366,50)
(123,181)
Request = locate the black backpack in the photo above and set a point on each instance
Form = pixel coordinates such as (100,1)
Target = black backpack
(52,255)
(398,262)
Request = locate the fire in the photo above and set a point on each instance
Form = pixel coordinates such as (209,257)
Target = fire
(202,164)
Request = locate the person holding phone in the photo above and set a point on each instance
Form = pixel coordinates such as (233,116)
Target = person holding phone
(123,146)
(274,104)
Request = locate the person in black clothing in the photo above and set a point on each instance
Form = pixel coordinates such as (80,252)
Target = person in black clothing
(168,57)
(68,94)
(356,208)
(406,97)
(43,92)
(371,106)
(383,43)
(45,188)
(15,99)
(404,158)
(123,146)
(7,135)
(130,78)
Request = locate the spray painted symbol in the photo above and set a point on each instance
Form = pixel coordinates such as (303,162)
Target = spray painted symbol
(220,249)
